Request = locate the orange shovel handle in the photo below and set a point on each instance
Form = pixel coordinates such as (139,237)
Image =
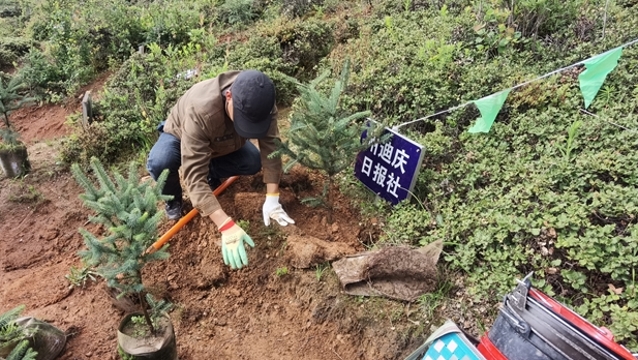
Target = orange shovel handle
(185,219)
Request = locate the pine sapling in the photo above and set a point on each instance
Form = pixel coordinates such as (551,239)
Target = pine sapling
(23,351)
(11,98)
(11,334)
(127,209)
(323,134)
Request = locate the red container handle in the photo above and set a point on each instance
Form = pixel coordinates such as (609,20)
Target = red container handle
(601,335)
(489,350)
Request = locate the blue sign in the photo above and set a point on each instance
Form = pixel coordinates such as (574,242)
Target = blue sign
(390,170)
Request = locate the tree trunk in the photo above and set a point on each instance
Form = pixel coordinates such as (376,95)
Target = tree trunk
(6,120)
(329,200)
(144,304)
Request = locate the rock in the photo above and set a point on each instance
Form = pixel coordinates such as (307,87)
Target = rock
(51,234)
(292,230)
(305,251)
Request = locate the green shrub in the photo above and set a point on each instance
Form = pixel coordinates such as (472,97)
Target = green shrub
(406,224)
(134,101)
(299,8)
(540,18)
(503,25)
(305,44)
(410,65)
(238,12)
(41,74)
(264,54)
(80,42)
(12,48)
(298,44)
(538,193)
(170,23)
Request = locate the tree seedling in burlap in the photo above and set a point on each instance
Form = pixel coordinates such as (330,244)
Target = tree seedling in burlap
(11,98)
(11,334)
(127,209)
(324,135)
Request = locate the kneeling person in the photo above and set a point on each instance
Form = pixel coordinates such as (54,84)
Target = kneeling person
(206,134)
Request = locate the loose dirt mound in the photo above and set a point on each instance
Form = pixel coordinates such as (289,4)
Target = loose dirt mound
(269,310)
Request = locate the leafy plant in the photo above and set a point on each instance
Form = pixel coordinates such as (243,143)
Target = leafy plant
(570,145)
(281,271)
(244,224)
(576,279)
(128,210)
(407,223)
(158,309)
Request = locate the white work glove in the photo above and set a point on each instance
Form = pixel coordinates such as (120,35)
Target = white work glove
(233,250)
(272,210)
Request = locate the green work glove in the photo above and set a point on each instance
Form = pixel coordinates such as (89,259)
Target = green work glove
(233,238)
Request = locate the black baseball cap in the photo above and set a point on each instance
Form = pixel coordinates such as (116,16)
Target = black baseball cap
(253,96)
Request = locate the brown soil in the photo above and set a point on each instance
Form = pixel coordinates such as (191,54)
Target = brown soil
(269,310)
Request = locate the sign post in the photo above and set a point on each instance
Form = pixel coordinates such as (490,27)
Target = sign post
(390,170)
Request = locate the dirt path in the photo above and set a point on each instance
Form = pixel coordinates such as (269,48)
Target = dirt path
(269,310)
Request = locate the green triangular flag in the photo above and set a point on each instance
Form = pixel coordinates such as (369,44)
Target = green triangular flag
(596,70)
(489,107)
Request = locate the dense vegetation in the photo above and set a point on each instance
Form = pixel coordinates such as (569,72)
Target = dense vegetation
(549,189)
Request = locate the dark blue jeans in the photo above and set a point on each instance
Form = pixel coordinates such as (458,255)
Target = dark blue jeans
(166,154)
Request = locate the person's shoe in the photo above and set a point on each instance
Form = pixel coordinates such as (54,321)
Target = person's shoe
(214,183)
(174,209)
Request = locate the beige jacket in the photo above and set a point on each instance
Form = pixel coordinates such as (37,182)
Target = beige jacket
(200,122)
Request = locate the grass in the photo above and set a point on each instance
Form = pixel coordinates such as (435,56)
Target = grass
(320,269)
(281,271)
(26,194)
(430,302)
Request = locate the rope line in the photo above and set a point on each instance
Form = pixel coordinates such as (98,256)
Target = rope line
(396,127)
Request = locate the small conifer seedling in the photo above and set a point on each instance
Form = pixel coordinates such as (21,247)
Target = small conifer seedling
(11,98)
(13,335)
(323,134)
(23,351)
(127,209)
